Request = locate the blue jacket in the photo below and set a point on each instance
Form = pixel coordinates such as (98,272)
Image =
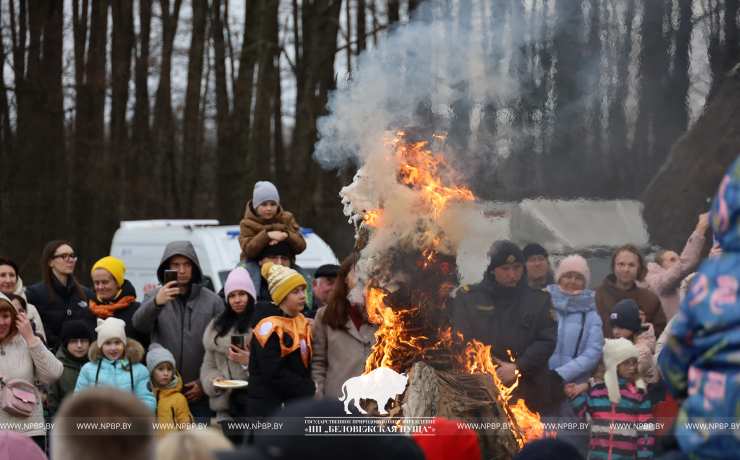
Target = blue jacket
(570,310)
(701,359)
(103,371)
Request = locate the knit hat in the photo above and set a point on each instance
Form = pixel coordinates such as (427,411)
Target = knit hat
(75,329)
(239,280)
(111,328)
(534,249)
(504,252)
(264,191)
(448,441)
(616,351)
(626,314)
(281,280)
(116,267)
(574,263)
(157,355)
(280,249)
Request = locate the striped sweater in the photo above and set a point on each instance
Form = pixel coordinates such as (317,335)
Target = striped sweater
(619,431)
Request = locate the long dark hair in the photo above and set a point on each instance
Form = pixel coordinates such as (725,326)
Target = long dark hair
(46,256)
(336,315)
(229,319)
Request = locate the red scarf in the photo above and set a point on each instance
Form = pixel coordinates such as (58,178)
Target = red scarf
(355,316)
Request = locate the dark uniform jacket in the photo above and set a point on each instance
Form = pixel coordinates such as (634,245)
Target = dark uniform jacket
(520,319)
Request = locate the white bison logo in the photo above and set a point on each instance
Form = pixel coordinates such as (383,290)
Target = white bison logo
(381,384)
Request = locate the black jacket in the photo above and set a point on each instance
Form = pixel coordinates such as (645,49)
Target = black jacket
(273,379)
(68,306)
(127,314)
(519,319)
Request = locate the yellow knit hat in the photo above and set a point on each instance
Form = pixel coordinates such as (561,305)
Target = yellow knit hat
(116,267)
(281,280)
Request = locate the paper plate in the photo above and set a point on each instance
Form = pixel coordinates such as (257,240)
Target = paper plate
(230,384)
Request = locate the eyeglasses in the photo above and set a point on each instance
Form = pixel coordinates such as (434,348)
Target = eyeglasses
(278,259)
(65,257)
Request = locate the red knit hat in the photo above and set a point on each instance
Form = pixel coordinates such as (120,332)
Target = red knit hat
(448,441)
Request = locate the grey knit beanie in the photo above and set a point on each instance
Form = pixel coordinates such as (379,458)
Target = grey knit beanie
(264,191)
(157,355)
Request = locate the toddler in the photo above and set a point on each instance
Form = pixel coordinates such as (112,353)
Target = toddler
(172,407)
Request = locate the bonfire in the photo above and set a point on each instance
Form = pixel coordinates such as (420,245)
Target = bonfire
(408,206)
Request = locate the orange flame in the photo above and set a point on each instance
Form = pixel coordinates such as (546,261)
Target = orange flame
(371,217)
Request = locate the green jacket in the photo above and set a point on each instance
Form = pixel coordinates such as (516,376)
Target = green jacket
(66,383)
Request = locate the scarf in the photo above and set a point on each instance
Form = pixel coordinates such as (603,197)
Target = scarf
(106,310)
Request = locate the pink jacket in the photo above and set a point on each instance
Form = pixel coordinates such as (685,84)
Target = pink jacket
(645,344)
(666,283)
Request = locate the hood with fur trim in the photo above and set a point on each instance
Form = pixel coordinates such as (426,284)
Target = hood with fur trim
(617,351)
(134,351)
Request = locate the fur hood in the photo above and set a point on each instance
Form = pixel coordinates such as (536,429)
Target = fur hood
(223,343)
(134,351)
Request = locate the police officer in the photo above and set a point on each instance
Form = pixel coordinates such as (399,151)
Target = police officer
(504,312)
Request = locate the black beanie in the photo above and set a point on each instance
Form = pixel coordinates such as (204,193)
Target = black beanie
(504,252)
(534,249)
(76,329)
(626,314)
(280,249)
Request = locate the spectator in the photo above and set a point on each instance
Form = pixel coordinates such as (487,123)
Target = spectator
(177,315)
(342,337)
(505,313)
(699,361)
(665,275)
(59,297)
(111,347)
(11,283)
(172,407)
(193,445)
(449,440)
(538,266)
(76,338)
(223,360)
(628,267)
(115,296)
(21,307)
(265,223)
(324,282)
(548,449)
(103,406)
(626,323)
(14,446)
(280,360)
(23,356)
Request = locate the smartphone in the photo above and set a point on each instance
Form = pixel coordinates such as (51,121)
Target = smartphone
(238,340)
(170,275)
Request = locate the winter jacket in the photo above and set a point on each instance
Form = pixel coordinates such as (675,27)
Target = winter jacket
(666,283)
(700,360)
(645,344)
(67,307)
(125,314)
(263,291)
(577,318)
(275,379)
(126,374)
(31,310)
(661,342)
(216,364)
(608,294)
(179,325)
(517,319)
(253,231)
(618,431)
(19,361)
(172,406)
(67,382)
(339,354)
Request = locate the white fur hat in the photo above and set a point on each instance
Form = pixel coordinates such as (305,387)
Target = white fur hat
(616,351)
(111,328)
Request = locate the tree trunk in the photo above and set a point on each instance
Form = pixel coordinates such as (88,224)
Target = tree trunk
(141,141)
(122,45)
(361,27)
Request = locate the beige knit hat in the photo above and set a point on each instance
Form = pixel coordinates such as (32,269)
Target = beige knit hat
(617,351)
(281,280)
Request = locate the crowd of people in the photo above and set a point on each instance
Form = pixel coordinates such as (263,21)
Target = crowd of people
(626,350)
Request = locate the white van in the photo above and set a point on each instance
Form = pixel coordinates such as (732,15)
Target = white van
(140,245)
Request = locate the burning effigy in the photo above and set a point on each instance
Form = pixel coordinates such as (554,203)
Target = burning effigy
(409,208)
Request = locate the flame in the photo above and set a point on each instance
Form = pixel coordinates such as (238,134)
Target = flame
(388,333)
(371,217)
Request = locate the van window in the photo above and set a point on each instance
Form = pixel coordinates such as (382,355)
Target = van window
(208,282)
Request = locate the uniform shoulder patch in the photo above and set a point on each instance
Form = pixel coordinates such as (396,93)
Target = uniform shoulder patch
(484,307)
(465,289)
(553,315)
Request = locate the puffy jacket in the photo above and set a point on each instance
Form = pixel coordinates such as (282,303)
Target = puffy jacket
(576,313)
(179,325)
(253,232)
(67,382)
(700,360)
(645,344)
(126,374)
(172,406)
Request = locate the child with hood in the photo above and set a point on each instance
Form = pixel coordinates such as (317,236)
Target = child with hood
(115,361)
(622,426)
(701,359)
(627,323)
(172,407)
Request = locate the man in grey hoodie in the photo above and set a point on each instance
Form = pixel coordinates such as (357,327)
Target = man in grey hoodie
(177,314)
